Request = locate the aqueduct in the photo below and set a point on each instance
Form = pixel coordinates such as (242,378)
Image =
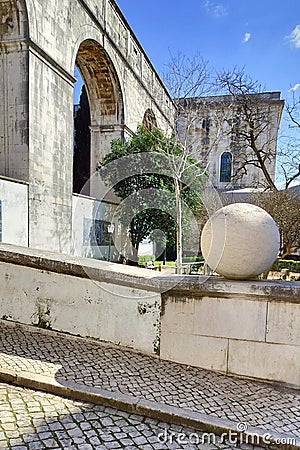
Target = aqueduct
(41,41)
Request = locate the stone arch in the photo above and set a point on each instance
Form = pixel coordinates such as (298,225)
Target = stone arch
(149,120)
(105,99)
(101,82)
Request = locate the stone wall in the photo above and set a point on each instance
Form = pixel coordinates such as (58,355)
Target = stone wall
(251,333)
(248,329)
(14,119)
(14,212)
(96,308)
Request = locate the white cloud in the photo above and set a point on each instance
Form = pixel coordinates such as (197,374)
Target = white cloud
(247,37)
(215,9)
(294,37)
(295,88)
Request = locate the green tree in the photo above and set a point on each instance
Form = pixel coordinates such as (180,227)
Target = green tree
(156,168)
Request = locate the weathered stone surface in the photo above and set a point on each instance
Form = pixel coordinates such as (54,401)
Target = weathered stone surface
(105,311)
(283,323)
(265,361)
(40,44)
(200,351)
(240,241)
(193,320)
(234,318)
(14,212)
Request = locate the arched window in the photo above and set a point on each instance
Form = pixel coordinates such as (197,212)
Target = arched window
(226,165)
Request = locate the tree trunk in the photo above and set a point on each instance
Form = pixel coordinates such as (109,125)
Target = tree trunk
(178,227)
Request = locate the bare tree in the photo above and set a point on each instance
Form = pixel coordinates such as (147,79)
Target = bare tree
(190,83)
(289,148)
(192,86)
(284,208)
(253,120)
(293,110)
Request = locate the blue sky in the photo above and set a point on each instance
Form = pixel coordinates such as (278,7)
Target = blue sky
(262,35)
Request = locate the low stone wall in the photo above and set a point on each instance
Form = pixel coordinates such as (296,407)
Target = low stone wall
(60,296)
(252,333)
(250,328)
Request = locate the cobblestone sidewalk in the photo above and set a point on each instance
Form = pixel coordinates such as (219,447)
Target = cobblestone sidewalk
(90,363)
(33,420)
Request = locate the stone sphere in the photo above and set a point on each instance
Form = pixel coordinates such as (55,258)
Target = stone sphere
(240,241)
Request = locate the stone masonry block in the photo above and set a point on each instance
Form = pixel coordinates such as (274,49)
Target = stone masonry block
(205,352)
(273,362)
(178,315)
(283,325)
(230,318)
(114,313)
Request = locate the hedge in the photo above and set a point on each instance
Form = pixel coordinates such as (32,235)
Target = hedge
(293,266)
(190,259)
(144,259)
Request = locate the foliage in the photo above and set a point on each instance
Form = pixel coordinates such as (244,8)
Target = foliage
(168,263)
(141,215)
(144,259)
(193,259)
(293,266)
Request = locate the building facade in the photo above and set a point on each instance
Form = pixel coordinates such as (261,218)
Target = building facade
(222,132)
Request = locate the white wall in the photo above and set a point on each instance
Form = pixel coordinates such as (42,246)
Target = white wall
(85,211)
(14,206)
(118,314)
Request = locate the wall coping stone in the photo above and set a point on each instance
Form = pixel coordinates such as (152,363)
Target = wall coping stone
(190,286)
(13,180)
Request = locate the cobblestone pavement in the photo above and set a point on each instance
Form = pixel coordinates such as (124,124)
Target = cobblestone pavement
(108,367)
(32,420)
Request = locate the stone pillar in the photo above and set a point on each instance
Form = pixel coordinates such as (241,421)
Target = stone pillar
(101,137)
(50,155)
(14,110)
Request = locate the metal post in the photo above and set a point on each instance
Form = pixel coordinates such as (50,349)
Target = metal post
(110,229)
